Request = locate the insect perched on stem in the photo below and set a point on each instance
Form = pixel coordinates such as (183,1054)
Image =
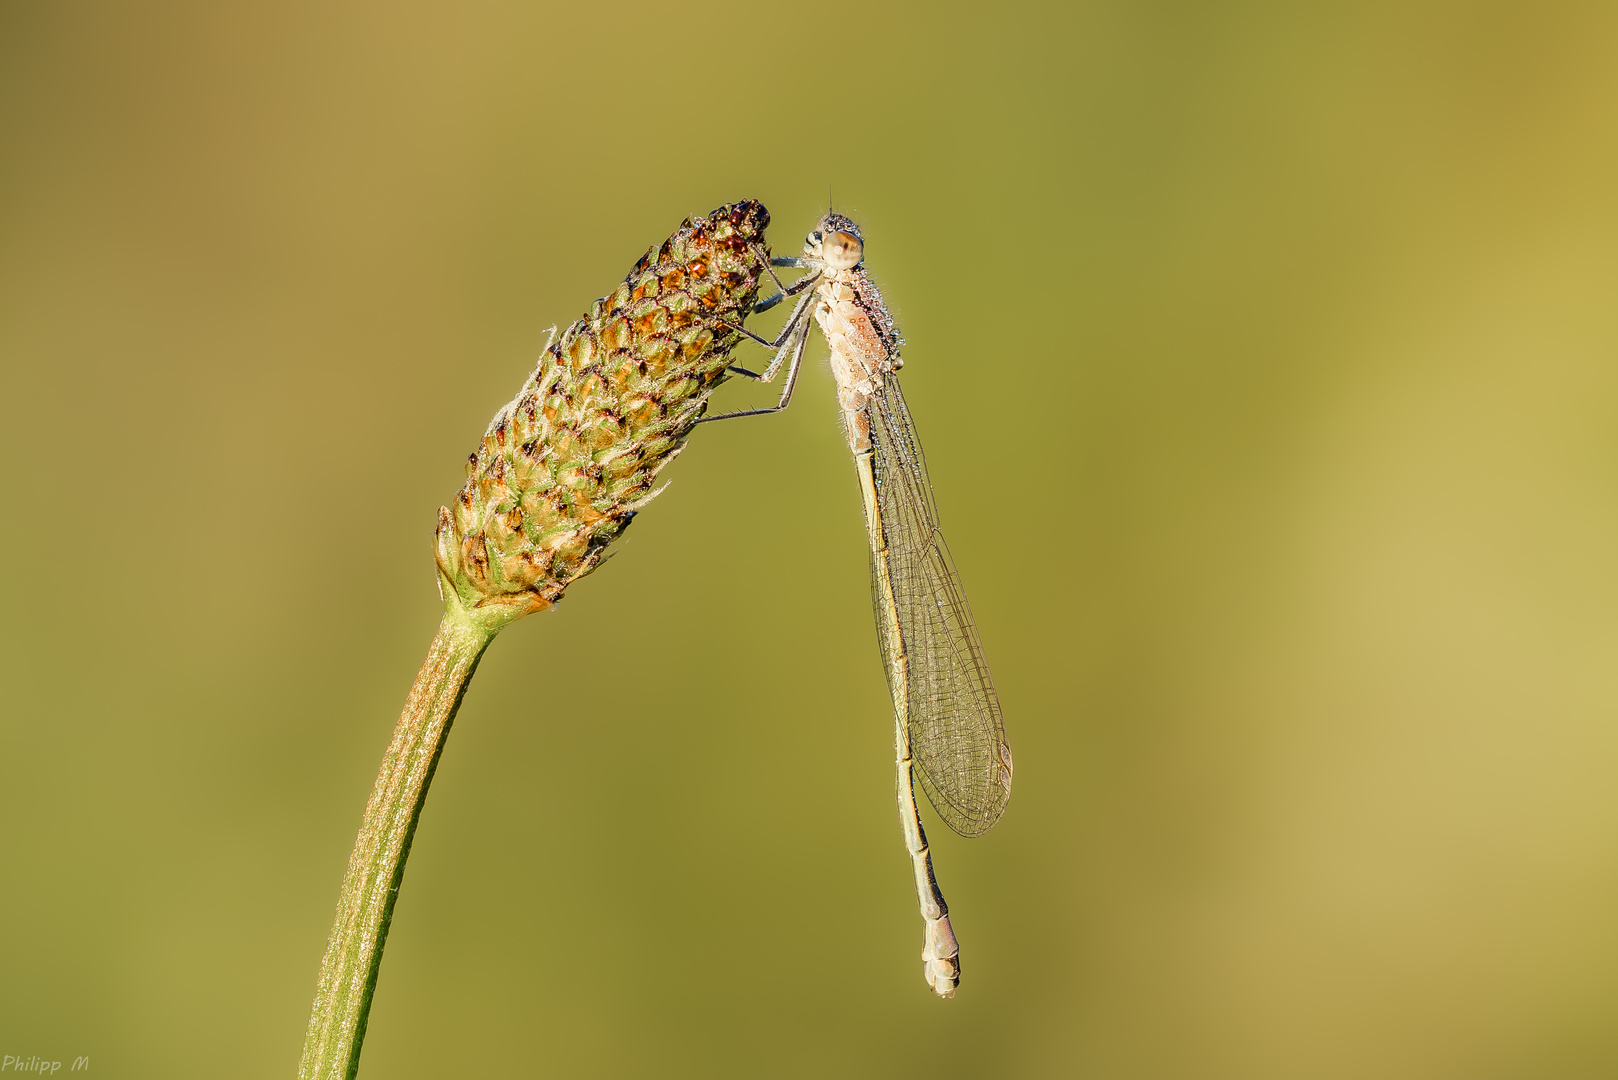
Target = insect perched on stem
(947,725)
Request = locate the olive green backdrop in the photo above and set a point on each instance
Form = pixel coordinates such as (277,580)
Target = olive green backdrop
(1267,361)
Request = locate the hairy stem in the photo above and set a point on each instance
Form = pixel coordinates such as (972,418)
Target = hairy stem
(348,972)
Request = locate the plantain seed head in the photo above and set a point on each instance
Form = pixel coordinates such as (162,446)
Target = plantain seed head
(564,468)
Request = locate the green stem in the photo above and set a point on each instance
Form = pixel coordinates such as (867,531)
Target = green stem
(348,972)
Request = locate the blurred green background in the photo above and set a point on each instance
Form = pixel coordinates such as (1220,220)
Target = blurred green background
(1265,357)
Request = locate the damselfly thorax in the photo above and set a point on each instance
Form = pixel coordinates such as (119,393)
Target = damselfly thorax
(859,331)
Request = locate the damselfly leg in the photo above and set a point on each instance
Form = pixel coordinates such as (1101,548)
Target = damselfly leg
(797,337)
(793,338)
(785,290)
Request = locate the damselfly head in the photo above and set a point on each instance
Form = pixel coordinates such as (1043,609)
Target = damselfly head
(836,242)
(841,250)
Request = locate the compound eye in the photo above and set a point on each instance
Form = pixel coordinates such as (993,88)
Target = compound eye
(842,251)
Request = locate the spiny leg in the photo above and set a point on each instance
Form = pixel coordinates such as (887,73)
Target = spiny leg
(797,315)
(780,344)
(763,255)
(786,291)
(802,330)
(767,304)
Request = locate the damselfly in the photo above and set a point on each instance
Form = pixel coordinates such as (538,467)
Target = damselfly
(947,726)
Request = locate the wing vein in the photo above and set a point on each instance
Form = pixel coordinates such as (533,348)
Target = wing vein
(957,735)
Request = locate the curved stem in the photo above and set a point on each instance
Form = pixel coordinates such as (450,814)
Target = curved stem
(348,972)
